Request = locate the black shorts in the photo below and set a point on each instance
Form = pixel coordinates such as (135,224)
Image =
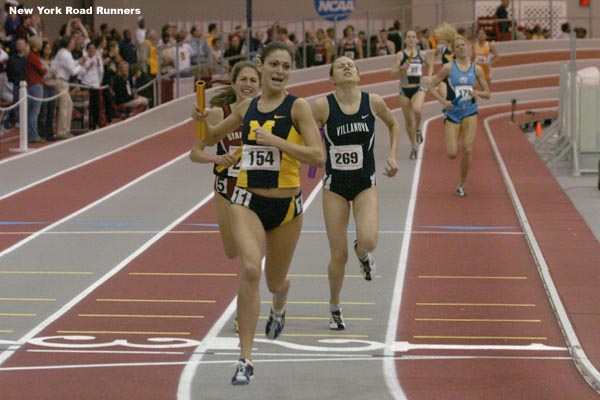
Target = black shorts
(348,188)
(410,91)
(224,186)
(271,211)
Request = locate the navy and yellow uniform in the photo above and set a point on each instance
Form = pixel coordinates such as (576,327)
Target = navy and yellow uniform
(269,167)
(410,83)
(349,141)
(226,179)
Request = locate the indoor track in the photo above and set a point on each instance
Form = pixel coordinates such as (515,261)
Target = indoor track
(114,284)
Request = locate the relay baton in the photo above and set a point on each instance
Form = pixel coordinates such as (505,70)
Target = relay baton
(201,125)
(237,155)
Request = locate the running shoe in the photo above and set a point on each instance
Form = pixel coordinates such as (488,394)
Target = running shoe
(244,372)
(413,154)
(367,264)
(275,325)
(419,137)
(336,322)
(460,191)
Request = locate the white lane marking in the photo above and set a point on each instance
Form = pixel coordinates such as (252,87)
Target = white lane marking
(89,206)
(32,333)
(389,366)
(283,360)
(580,359)
(91,160)
(184,390)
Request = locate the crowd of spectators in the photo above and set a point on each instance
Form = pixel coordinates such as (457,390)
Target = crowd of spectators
(112,67)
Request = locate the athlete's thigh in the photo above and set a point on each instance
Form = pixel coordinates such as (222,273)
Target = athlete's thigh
(281,244)
(406,108)
(451,135)
(417,101)
(224,220)
(365,209)
(336,212)
(469,131)
(248,234)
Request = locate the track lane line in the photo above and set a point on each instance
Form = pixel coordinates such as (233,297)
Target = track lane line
(580,359)
(66,307)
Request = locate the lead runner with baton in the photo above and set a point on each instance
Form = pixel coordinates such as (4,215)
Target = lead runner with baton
(279,132)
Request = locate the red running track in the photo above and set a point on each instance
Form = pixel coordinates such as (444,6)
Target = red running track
(473,287)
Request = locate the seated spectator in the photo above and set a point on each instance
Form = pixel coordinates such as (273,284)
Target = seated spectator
(537,33)
(580,33)
(565,31)
(125,95)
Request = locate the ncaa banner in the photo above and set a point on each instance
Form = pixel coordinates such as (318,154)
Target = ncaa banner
(333,10)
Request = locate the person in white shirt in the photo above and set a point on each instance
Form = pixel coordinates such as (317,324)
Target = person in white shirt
(140,32)
(184,56)
(65,66)
(94,71)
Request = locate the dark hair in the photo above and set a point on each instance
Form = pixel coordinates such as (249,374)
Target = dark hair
(273,47)
(87,46)
(227,94)
(64,41)
(212,26)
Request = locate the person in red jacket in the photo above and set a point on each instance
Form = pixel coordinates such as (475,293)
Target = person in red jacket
(35,72)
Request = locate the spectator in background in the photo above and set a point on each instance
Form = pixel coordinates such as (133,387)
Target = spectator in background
(580,33)
(10,27)
(125,95)
(111,66)
(127,49)
(537,33)
(334,45)
(94,72)
(36,25)
(46,115)
(502,15)
(199,46)
(233,54)
(147,55)
(350,46)
(323,49)
(385,46)
(183,64)
(213,32)
(306,47)
(565,31)
(65,66)
(395,35)
(215,57)
(15,71)
(140,32)
(35,72)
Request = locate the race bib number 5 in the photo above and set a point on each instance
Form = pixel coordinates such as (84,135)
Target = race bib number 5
(265,158)
(346,158)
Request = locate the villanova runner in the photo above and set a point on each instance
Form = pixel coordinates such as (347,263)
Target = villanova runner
(349,183)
